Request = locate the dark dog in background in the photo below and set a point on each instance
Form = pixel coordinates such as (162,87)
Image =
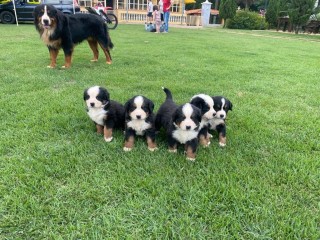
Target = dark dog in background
(181,124)
(221,105)
(58,30)
(139,121)
(105,113)
(205,104)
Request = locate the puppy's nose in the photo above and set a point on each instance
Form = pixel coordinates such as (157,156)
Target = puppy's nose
(188,127)
(92,104)
(138,116)
(214,114)
(222,115)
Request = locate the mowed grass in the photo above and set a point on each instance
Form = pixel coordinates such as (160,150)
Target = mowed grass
(60,180)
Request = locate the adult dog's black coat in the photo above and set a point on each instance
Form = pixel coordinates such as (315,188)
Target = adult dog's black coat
(58,30)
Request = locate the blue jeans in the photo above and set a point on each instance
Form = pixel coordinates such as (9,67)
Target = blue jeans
(166,16)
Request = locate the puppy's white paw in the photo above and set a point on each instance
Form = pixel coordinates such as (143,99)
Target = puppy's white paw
(108,139)
(153,149)
(191,159)
(172,150)
(208,144)
(127,149)
(221,144)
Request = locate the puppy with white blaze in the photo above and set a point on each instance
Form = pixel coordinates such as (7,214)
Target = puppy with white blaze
(105,113)
(181,123)
(139,121)
(205,104)
(221,105)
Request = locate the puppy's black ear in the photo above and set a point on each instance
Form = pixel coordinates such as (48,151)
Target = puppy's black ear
(198,102)
(150,106)
(127,106)
(85,95)
(229,105)
(197,113)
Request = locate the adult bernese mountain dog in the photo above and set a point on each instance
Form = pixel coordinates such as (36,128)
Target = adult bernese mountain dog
(105,113)
(58,30)
(181,123)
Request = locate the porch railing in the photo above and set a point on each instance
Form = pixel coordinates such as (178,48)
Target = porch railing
(141,17)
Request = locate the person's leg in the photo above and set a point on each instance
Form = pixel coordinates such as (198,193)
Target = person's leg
(166,21)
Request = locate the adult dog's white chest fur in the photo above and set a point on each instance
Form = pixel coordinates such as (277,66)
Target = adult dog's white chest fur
(183,136)
(97,115)
(139,126)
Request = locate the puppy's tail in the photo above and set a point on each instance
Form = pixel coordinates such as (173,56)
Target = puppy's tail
(168,93)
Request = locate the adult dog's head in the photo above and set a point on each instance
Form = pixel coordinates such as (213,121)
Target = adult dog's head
(46,17)
(221,105)
(187,117)
(139,108)
(96,97)
(206,104)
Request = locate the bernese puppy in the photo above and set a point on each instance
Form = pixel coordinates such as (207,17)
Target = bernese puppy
(105,113)
(58,30)
(139,121)
(181,123)
(205,104)
(221,105)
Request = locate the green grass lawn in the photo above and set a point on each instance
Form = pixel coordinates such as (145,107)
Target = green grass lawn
(60,180)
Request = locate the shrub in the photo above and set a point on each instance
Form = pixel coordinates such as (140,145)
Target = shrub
(247,20)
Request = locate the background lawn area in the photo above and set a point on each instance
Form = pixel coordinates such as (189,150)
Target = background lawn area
(60,180)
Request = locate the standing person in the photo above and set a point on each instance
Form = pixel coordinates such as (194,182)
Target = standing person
(166,14)
(161,9)
(156,18)
(150,10)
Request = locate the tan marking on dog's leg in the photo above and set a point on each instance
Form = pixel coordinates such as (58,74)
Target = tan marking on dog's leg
(94,47)
(152,146)
(173,149)
(107,132)
(128,145)
(222,140)
(190,154)
(204,140)
(67,63)
(107,54)
(53,57)
(99,128)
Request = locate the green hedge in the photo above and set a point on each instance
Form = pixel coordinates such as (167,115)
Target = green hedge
(247,20)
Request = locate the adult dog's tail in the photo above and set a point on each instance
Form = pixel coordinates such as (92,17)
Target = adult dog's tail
(168,93)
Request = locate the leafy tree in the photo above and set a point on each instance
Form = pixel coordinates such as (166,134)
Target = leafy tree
(227,9)
(299,12)
(273,12)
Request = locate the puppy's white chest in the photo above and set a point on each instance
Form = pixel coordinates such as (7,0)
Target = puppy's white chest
(184,136)
(97,115)
(215,122)
(139,126)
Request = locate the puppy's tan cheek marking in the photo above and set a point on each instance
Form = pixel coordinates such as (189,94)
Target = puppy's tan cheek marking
(107,132)
(151,144)
(190,154)
(99,128)
(130,143)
